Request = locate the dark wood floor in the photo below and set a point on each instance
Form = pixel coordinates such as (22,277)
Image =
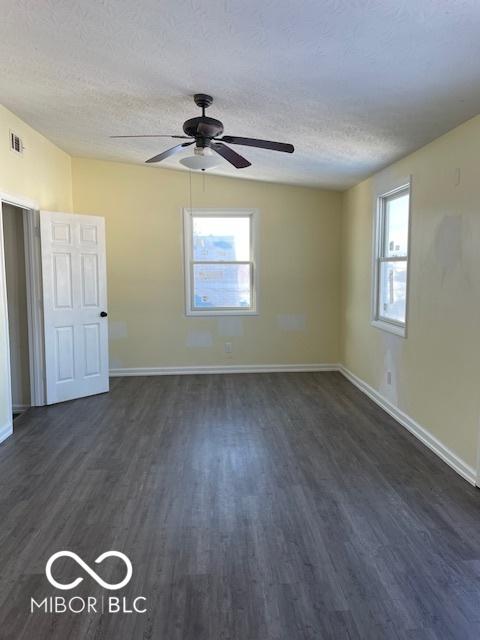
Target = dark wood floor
(253,507)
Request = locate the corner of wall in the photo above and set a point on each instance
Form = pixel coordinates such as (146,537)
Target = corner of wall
(342,269)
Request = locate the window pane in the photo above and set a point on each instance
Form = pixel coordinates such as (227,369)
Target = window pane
(221,286)
(393,290)
(396,225)
(217,238)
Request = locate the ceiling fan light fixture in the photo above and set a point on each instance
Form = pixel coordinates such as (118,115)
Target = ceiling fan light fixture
(201,160)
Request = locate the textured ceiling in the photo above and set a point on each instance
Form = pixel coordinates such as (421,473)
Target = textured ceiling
(354,84)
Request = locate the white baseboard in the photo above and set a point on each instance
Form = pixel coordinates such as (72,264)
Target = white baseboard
(6,431)
(20,408)
(447,455)
(240,368)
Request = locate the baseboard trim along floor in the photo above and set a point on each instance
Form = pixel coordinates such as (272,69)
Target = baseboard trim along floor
(20,408)
(6,431)
(447,455)
(213,369)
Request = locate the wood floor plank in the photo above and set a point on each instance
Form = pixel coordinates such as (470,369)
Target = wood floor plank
(252,506)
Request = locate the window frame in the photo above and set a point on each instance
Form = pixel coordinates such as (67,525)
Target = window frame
(189,262)
(379,257)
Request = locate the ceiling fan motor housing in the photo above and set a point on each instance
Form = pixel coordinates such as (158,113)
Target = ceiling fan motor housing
(203,129)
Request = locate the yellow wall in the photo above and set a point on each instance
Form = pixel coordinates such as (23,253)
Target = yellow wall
(435,371)
(299,267)
(42,174)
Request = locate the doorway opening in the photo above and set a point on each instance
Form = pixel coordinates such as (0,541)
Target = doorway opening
(53,298)
(20,299)
(16,288)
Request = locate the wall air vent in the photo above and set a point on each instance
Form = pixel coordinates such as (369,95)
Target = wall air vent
(16,143)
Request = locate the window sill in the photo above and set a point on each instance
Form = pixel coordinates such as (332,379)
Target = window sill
(390,327)
(219,312)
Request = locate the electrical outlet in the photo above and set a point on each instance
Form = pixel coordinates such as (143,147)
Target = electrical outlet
(389,377)
(228,347)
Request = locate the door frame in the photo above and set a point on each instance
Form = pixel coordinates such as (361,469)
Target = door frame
(33,273)
(477,467)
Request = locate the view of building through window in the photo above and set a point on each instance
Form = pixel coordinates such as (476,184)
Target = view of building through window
(221,262)
(392,259)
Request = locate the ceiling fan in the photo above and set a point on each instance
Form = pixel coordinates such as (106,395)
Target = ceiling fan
(206,134)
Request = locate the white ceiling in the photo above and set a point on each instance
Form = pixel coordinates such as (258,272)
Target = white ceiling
(354,84)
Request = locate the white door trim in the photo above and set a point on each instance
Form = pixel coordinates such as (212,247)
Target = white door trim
(34,294)
(5,429)
(477,477)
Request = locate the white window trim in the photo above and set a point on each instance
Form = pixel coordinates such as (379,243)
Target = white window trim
(188,262)
(391,326)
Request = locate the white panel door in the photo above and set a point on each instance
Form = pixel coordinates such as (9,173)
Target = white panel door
(74,305)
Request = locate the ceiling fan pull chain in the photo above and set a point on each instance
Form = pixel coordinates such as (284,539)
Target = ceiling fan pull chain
(190,184)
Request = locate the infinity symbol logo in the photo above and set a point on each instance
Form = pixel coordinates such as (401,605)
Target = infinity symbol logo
(85,567)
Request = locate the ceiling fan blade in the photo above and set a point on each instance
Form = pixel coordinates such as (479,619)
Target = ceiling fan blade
(232,156)
(168,152)
(151,135)
(261,144)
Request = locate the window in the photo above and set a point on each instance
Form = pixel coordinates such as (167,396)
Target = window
(220,273)
(391,261)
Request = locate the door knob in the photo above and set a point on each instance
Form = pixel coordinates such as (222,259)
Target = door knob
(103,314)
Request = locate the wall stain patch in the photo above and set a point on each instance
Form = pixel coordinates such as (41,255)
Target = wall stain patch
(448,244)
(291,322)
(199,339)
(230,327)
(117,330)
